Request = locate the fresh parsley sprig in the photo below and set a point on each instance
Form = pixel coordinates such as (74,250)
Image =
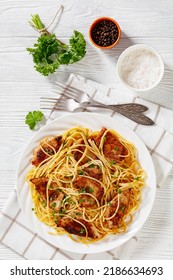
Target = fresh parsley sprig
(49,52)
(32,118)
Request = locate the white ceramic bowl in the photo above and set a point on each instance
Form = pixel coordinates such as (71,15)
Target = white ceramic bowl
(128,52)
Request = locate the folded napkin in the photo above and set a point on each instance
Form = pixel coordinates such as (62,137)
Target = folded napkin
(15,229)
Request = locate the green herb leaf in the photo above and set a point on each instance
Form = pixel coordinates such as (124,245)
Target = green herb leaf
(90,190)
(62,211)
(137,178)
(77,47)
(91,165)
(53,205)
(53,214)
(112,162)
(43,52)
(80,172)
(100,167)
(82,230)
(49,151)
(122,208)
(49,52)
(32,118)
(82,190)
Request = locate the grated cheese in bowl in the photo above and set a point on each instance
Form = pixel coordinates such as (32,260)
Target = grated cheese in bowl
(140,67)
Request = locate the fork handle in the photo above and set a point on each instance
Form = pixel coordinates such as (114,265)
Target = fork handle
(130,107)
(137,117)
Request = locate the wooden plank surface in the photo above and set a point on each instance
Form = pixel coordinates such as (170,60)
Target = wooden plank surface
(21,86)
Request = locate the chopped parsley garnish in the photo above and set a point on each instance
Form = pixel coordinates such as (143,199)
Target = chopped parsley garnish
(122,208)
(90,190)
(49,151)
(91,165)
(82,230)
(119,191)
(72,202)
(86,190)
(137,178)
(62,211)
(82,190)
(112,162)
(100,167)
(53,205)
(116,148)
(53,214)
(80,172)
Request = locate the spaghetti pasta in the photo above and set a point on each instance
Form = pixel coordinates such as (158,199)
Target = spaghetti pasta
(86,184)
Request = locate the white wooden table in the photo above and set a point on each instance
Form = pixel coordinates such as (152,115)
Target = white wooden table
(21,87)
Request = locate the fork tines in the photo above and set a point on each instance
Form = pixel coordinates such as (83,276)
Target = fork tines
(48,100)
(67,87)
(52,103)
(66,90)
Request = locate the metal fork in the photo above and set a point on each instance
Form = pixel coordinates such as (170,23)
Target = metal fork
(132,111)
(70,105)
(81,96)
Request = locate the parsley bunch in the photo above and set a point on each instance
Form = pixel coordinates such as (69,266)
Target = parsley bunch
(49,52)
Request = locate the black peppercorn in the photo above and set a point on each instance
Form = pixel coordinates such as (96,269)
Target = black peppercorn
(105,33)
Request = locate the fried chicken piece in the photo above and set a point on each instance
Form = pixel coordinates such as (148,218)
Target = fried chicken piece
(123,204)
(113,149)
(39,155)
(76,228)
(86,185)
(55,197)
(81,149)
(94,171)
(97,137)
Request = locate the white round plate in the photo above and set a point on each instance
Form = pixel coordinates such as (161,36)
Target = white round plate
(94,122)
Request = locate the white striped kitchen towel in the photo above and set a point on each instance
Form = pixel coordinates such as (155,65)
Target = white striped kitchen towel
(15,230)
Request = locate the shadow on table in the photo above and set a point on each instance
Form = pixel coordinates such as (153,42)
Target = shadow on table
(96,63)
(102,63)
(163,93)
